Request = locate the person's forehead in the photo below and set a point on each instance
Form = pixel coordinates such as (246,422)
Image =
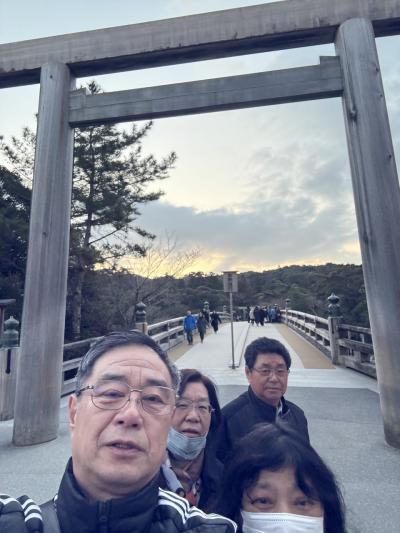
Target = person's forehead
(195,390)
(129,361)
(283,478)
(268,358)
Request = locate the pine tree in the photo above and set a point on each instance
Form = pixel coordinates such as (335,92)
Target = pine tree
(110,181)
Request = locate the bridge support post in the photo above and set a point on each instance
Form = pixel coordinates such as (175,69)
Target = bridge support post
(377,201)
(140,317)
(42,335)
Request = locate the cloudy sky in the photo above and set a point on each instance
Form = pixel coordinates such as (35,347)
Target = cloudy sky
(253,188)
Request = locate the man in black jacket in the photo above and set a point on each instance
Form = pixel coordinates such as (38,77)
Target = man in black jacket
(267,369)
(119,419)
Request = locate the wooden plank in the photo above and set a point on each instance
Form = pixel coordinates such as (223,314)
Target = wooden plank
(377,202)
(356,345)
(37,405)
(233,92)
(252,29)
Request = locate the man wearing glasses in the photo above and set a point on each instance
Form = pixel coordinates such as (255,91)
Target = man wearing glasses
(267,369)
(119,419)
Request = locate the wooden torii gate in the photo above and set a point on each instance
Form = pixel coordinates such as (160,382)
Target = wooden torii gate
(354,74)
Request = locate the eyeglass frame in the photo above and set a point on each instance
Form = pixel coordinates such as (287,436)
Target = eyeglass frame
(193,405)
(268,372)
(138,401)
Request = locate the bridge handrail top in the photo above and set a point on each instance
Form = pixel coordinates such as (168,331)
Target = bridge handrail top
(165,322)
(307,315)
(358,329)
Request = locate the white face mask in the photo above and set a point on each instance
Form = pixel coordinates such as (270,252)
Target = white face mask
(281,523)
(183,446)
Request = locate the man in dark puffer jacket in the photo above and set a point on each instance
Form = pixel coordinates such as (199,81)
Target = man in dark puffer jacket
(267,368)
(119,418)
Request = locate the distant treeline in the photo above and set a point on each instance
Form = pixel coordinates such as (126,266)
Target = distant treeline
(109,297)
(107,304)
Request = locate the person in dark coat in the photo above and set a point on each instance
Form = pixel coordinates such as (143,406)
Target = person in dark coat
(191,468)
(119,418)
(215,320)
(201,325)
(267,368)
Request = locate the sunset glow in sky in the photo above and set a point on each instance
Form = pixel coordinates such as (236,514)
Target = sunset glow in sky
(253,188)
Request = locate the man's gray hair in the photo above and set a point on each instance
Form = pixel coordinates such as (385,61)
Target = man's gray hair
(115,340)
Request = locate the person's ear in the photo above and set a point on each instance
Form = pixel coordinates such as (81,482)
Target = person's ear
(72,408)
(247,372)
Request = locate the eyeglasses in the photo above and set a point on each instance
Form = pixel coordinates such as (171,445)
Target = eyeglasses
(203,408)
(267,372)
(114,395)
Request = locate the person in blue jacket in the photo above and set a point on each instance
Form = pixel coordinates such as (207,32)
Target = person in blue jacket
(189,324)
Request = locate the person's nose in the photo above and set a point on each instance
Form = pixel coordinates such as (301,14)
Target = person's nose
(132,412)
(273,377)
(193,414)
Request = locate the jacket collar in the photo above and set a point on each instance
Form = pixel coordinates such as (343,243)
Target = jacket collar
(265,409)
(77,513)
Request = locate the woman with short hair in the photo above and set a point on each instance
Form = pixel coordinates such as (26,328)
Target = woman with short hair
(275,481)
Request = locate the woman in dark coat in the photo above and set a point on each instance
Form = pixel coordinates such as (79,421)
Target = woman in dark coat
(201,325)
(191,468)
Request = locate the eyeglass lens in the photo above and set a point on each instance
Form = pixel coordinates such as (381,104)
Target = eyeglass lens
(202,408)
(115,394)
(268,371)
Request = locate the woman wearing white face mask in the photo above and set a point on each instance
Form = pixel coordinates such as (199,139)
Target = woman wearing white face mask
(275,482)
(191,467)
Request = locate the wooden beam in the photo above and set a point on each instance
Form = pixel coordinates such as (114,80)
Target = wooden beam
(252,29)
(377,201)
(233,92)
(37,404)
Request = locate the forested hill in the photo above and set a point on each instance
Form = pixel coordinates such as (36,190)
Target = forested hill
(307,287)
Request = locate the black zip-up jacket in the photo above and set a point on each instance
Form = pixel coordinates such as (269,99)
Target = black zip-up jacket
(241,414)
(151,510)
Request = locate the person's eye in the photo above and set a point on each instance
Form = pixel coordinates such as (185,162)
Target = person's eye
(182,405)
(203,408)
(110,394)
(262,502)
(153,399)
(305,502)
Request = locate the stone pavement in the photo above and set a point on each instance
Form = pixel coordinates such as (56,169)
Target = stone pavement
(341,405)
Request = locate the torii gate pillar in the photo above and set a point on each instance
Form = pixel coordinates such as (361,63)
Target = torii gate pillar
(42,336)
(377,201)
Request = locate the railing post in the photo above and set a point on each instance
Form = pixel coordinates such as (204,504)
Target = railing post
(287,303)
(141,323)
(9,353)
(333,327)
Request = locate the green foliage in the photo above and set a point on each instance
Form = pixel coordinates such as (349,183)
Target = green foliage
(110,303)
(14,228)
(110,183)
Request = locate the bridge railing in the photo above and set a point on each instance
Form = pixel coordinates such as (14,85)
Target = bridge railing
(347,345)
(167,334)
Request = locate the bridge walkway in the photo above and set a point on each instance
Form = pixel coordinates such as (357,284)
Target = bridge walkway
(342,408)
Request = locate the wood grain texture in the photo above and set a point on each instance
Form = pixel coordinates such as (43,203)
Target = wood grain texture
(377,201)
(42,333)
